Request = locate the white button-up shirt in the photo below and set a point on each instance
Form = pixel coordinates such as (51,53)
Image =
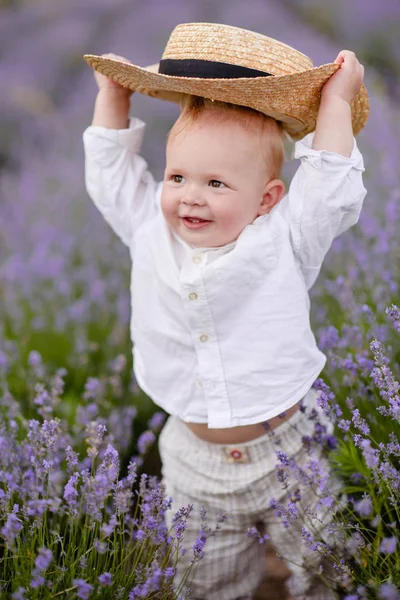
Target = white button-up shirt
(222,335)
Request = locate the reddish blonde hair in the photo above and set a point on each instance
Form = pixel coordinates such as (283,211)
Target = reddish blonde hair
(269,130)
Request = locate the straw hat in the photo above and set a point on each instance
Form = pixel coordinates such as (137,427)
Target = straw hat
(235,65)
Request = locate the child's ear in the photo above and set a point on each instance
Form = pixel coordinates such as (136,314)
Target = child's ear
(273,193)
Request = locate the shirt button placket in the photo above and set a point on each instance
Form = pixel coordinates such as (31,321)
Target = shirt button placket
(198,259)
(199,317)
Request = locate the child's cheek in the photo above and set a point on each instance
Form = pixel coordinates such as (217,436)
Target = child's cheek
(168,206)
(231,219)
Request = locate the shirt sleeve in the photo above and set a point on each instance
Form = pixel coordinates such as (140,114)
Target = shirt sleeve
(325,198)
(117,178)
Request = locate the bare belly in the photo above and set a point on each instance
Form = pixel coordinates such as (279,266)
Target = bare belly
(239,435)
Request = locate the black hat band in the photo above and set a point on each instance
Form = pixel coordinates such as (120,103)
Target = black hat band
(206,69)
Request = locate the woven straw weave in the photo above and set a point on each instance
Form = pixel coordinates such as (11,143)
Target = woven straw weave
(291,95)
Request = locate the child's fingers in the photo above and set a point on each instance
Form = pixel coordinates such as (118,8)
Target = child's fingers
(347,80)
(339,59)
(105,82)
(348,61)
(345,56)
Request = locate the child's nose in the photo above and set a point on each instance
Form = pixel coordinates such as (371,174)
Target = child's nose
(192,195)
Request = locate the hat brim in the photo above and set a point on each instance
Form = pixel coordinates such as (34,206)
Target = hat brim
(292,99)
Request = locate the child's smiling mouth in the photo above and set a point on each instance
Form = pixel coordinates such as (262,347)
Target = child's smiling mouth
(195,223)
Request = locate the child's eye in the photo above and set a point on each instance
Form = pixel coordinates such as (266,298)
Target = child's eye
(216,184)
(177,178)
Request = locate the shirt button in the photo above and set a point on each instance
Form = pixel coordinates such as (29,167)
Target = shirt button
(203,337)
(236,454)
(193,296)
(196,259)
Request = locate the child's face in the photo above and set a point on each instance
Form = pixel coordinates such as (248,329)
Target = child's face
(216,181)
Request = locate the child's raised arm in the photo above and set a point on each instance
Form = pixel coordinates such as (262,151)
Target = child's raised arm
(111,108)
(116,176)
(334,131)
(326,193)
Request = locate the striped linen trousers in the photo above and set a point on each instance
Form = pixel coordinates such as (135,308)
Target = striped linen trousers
(241,480)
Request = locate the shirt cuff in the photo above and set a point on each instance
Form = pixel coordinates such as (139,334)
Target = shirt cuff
(304,149)
(130,138)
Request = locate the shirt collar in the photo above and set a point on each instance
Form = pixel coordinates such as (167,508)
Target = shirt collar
(183,249)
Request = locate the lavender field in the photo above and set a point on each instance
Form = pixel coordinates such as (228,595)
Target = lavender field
(76,433)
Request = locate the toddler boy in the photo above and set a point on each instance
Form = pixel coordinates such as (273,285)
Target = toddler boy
(222,264)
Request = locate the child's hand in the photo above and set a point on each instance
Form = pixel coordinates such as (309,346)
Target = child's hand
(111,109)
(104,82)
(347,80)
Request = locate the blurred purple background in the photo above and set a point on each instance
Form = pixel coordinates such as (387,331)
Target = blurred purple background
(56,254)
(49,90)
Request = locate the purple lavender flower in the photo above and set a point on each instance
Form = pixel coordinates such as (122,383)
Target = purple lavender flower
(37,581)
(71,457)
(132,472)
(364,506)
(282,457)
(34,358)
(393,313)
(42,396)
(327,501)
(355,543)
(71,492)
(101,547)
(119,422)
(198,546)
(256,535)
(329,338)
(105,579)
(153,582)
(331,442)
(123,497)
(87,414)
(108,528)
(288,514)
(344,424)
(43,559)
(110,464)
(387,591)
(157,421)
(385,381)
(371,455)
(388,545)
(4,361)
(326,400)
(360,423)
(376,521)
(145,441)
(19,594)
(12,526)
(96,432)
(84,589)
(99,488)
(118,364)
(282,476)
(93,388)
(308,539)
(140,535)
